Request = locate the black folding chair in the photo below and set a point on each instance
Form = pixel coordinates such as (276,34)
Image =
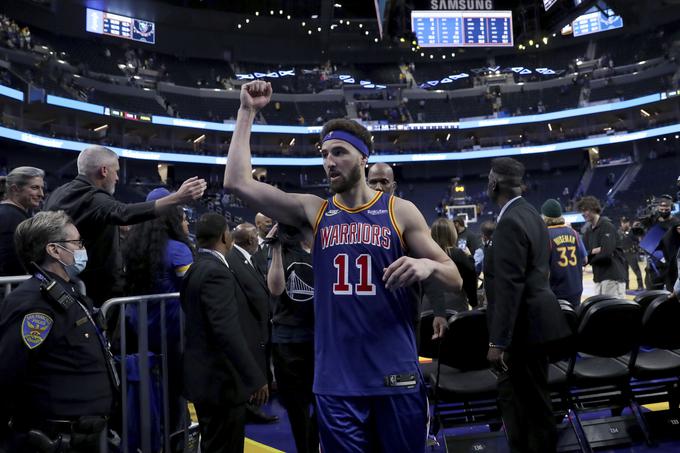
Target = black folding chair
(427,347)
(656,366)
(463,381)
(646,297)
(608,329)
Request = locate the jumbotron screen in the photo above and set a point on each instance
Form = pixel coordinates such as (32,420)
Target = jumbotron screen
(104,23)
(462,28)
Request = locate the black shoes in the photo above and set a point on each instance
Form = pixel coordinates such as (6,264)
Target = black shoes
(256,415)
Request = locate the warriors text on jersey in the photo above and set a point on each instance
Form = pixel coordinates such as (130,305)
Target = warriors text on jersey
(364,333)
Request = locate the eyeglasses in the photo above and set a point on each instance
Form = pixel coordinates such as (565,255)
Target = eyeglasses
(78,242)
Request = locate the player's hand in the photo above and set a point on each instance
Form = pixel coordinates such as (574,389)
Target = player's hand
(255,95)
(496,357)
(261,396)
(273,234)
(191,189)
(406,271)
(273,231)
(439,326)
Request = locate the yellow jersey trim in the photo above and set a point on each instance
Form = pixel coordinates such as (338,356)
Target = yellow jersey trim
(359,208)
(393,219)
(319,214)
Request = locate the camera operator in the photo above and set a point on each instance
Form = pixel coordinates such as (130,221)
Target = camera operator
(659,227)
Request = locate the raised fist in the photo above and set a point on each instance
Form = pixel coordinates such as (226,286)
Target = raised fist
(255,95)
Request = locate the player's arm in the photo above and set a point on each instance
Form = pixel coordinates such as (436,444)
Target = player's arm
(426,259)
(294,209)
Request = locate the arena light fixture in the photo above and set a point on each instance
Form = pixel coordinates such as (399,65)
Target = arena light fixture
(103,127)
(337,5)
(645,113)
(247,21)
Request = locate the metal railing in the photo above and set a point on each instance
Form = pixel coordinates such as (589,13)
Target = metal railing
(8,282)
(141,303)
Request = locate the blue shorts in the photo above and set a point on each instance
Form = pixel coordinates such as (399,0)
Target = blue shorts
(363,424)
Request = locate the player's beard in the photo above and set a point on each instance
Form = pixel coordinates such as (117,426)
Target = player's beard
(345,183)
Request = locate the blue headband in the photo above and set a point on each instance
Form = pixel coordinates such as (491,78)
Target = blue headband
(349,138)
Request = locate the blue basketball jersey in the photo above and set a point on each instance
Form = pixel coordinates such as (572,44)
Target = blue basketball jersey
(566,261)
(364,333)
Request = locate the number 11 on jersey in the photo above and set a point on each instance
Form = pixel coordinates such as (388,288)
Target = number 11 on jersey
(343,286)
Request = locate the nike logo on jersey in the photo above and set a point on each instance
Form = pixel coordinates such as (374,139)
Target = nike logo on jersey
(331,212)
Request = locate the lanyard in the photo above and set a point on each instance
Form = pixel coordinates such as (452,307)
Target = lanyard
(103,342)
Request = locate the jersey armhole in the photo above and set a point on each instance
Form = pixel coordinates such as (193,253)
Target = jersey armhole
(319,214)
(393,219)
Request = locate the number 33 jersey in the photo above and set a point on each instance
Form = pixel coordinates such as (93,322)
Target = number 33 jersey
(364,333)
(567,254)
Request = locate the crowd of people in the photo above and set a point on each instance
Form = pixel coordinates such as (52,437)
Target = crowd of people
(316,300)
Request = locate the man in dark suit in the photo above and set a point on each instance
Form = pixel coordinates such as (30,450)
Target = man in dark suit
(523,313)
(251,279)
(220,372)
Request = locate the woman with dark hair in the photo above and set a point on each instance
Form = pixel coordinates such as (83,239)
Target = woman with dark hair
(20,192)
(443,231)
(157,254)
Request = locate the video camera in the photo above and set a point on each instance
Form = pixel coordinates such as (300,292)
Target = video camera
(649,215)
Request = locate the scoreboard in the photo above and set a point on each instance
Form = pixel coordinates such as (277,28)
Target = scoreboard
(462,28)
(595,22)
(110,24)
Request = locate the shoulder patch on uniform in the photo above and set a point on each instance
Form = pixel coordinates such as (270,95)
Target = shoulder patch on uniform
(35,328)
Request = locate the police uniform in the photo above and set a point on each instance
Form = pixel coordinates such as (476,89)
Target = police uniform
(56,375)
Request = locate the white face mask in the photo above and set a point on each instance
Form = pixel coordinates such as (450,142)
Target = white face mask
(79,261)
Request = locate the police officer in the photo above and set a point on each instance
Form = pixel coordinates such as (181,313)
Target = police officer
(57,381)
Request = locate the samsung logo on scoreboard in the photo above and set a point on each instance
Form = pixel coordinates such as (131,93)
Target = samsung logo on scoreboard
(474,5)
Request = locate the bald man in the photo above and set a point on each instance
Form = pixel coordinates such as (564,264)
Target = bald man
(88,200)
(252,281)
(381,177)
(263,225)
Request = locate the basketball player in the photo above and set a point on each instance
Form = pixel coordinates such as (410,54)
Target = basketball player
(368,248)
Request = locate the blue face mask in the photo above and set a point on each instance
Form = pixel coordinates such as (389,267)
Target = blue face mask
(79,261)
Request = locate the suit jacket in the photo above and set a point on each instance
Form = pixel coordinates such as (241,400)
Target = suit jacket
(255,289)
(522,310)
(261,259)
(219,367)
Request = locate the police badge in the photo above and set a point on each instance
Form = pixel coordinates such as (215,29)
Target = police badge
(35,328)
